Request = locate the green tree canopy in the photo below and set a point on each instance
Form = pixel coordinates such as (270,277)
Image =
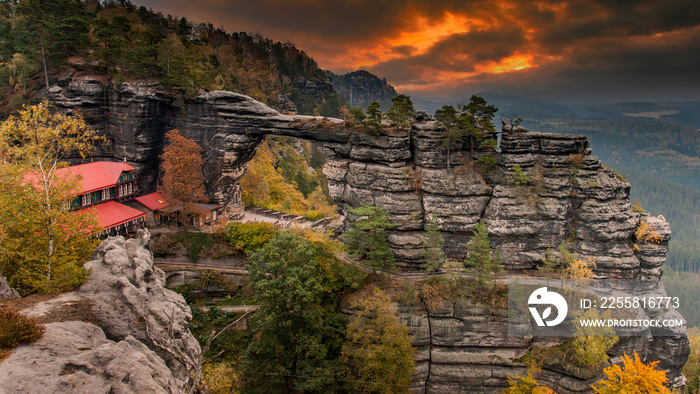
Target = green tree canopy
(433,246)
(481,261)
(297,333)
(401,112)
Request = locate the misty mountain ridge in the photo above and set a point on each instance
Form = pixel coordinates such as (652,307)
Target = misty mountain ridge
(680,112)
(360,88)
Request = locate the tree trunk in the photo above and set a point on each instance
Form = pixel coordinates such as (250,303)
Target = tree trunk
(43,57)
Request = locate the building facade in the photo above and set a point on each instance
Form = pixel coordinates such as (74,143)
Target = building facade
(105,187)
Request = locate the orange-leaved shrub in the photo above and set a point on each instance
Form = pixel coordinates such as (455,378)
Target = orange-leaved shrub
(15,328)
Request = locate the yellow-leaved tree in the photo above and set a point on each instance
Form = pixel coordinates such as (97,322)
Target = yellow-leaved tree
(591,344)
(633,377)
(526,384)
(42,244)
(377,352)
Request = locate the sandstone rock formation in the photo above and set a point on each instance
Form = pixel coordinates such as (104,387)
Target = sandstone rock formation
(129,298)
(139,341)
(76,357)
(464,347)
(570,195)
(7,292)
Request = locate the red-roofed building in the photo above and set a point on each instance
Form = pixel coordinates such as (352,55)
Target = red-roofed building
(103,186)
(152,204)
(113,215)
(101,181)
(161,211)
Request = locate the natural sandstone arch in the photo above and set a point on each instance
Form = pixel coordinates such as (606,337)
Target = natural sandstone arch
(575,197)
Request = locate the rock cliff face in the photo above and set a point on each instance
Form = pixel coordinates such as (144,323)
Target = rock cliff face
(568,195)
(129,299)
(77,357)
(465,348)
(139,341)
(360,88)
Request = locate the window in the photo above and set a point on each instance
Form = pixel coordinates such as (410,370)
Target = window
(96,196)
(129,188)
(131,175)
(75,203)
(113,192)
(87,199)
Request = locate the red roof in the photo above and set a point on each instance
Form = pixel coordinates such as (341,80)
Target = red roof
(154,201)
(96,176)
(112,213)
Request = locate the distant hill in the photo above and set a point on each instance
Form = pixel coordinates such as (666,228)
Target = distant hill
(360,88)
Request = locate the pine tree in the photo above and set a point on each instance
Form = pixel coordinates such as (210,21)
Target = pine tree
(401,112)
(358,116)
(549,264)
(368,238)
(454,136)
(374,117)
(477,123)
(481,261)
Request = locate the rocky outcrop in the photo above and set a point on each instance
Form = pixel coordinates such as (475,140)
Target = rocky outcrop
(137,340)
(537,191)
(6,291)
(129,299)
(77,357)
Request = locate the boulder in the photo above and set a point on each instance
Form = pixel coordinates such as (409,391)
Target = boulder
(7,292)
(77,357)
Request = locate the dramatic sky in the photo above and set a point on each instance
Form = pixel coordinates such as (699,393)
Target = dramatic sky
(575,51)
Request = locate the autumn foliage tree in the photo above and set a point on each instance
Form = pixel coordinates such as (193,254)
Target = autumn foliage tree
(633,377)
(42,244)
(181,168)
(377,353)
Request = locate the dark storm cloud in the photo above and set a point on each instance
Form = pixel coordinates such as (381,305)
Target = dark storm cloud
(606,46)
(405,50)
(611,72)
